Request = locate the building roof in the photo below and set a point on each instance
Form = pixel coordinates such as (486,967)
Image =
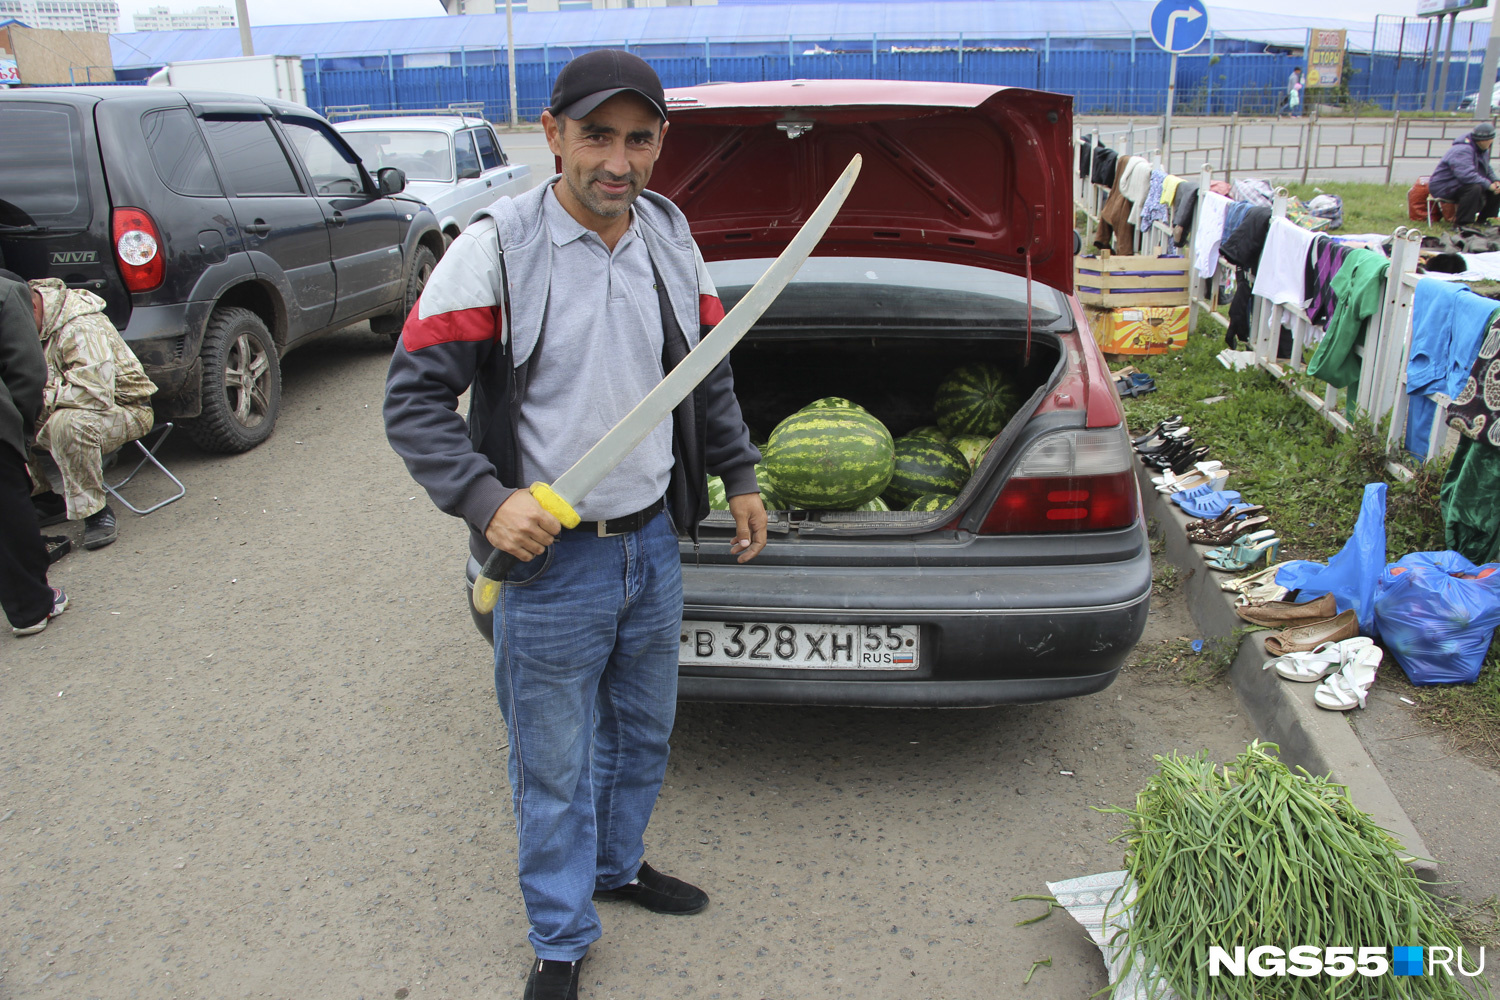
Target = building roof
(806,22)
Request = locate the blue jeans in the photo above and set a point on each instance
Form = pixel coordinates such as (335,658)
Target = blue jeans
(586,642)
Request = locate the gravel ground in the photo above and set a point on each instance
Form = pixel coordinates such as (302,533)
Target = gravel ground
(260,757)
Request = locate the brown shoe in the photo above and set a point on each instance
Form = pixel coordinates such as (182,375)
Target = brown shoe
(1284,614)
(1305,637)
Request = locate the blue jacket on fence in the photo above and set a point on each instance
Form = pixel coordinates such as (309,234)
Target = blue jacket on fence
(1463,164)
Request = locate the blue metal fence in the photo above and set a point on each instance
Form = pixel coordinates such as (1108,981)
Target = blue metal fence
(1121,80)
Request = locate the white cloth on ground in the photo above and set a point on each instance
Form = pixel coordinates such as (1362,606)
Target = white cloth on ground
(1134,185)
(1210,226)
(1281,275)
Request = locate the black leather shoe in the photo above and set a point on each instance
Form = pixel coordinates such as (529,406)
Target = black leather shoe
(551,980)
(658,893)
(50,508)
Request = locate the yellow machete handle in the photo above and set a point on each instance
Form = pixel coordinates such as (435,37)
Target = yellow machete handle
(498,565)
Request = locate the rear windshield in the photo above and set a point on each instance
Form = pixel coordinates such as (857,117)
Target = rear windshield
(890,292)
(42,162)
(425,156)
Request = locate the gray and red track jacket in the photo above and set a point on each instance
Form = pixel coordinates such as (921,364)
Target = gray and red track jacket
(477,325)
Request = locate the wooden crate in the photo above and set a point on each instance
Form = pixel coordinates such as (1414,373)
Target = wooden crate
(1109,282)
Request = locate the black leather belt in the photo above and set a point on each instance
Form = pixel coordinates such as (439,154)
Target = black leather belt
(623,525)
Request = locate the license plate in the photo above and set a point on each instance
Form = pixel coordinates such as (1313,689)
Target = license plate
(800,647)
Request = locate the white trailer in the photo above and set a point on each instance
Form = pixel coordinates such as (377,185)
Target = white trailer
(277,77)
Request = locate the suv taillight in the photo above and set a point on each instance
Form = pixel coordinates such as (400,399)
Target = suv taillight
(1069,481)
(138,249)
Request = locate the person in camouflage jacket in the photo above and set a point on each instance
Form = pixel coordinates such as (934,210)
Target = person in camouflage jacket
(97,399)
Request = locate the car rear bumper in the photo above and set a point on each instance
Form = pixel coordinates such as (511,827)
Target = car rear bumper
(167,339)
(990,635)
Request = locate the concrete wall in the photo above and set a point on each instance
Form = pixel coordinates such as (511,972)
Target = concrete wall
(46,56)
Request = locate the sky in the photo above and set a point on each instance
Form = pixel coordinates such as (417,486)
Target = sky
(301,11)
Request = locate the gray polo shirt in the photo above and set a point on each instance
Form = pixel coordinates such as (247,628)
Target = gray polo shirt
(600,355)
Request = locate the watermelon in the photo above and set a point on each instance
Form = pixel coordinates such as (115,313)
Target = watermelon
(929,432)
(768,497)
(834,403)
(972,446)
(923,466)
(829,458)
(975,399)
(876,504)
(717,500)
(932,501)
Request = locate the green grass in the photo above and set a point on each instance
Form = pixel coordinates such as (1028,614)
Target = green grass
(1283,454)
(1368,208)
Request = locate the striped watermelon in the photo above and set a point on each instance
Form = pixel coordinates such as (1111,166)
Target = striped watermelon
(876,504)
(972,446)
(717,500)
(932,501)
(930,432)
(829,458)
(834,403)
(924,466)
(768,497)
(975,399)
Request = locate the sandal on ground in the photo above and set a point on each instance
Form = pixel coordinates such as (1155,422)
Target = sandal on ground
(1227,533)
(1286,614)
(1169,478)
(1317,663)
(1246,553)
(1348,689)
(1212,481)
(1169,424)
(1239,545)
(1301,638)
(1208,504)
(1232,513)
(1240,585)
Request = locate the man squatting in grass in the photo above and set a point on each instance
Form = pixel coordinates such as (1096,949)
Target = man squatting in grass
(562,308)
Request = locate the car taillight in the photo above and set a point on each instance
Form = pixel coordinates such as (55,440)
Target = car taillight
(138,249)
(1081,480)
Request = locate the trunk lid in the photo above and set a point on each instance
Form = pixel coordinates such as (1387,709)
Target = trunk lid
(964,173)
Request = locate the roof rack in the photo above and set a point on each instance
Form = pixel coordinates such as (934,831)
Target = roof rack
(345,112)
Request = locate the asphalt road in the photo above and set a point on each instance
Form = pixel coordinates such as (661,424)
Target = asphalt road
(260,756)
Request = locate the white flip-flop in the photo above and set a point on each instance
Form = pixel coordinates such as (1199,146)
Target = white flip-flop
(1348,689)
(1319,662)
(1213,465)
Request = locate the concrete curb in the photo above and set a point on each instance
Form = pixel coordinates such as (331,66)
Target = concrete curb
(1323,742)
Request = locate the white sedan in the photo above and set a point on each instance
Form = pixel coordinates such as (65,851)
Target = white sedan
(454,164)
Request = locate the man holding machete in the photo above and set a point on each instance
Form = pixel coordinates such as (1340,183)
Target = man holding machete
(561,309)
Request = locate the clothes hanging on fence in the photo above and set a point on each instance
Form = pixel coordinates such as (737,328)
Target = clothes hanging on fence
(1233,216)
(1086,157)
(1447,324)
(1254,191)
(1169,189)
(1323,264)
(1184,207)
(1210,234)
(1243,248)
(1114,217)
(1105,160)
(1282,275)
(1153,210)
(1358,286)
(1470,501)
(1475,412)
(1221,187)
(1134,185)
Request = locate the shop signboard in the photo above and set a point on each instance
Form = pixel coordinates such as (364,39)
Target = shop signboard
(1325,58)
(1441,8)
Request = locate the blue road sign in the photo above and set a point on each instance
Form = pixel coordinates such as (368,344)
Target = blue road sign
(1179,25)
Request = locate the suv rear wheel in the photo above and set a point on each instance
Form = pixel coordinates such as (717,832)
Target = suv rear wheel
(241,383)
(422,263)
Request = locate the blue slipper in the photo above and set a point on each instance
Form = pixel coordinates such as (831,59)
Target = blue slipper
(1208,505)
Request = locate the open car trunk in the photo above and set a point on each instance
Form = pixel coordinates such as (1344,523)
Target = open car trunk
(895,377)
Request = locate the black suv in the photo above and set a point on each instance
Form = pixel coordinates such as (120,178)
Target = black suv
(220,230)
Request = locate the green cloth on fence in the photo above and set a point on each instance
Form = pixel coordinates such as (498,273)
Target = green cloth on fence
(1358,286)
(1471,502)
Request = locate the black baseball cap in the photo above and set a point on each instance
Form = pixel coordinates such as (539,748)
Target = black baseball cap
(595,77)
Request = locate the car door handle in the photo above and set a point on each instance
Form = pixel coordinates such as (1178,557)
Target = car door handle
(260,227)
(489,183)
(338,218)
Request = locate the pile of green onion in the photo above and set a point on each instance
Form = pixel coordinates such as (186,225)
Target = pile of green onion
(1251,854)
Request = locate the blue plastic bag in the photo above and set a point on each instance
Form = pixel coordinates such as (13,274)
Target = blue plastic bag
(1350,575)
(1437,625)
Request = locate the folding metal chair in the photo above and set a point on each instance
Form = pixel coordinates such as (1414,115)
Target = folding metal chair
(148,454)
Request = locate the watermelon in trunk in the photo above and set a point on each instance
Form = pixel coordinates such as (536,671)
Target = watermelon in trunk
(876,504)
(716,497)
(768,496)
(925,466)
(929,432)
(833,458)
(972,447)
(834,403)
(975,399)
(932,501)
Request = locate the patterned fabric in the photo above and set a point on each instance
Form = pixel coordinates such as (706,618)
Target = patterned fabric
(1323,263)
(78,440)
(1477,406)
(1154,210)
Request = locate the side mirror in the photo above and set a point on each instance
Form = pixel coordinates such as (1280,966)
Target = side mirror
(392,180)
(468,173)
